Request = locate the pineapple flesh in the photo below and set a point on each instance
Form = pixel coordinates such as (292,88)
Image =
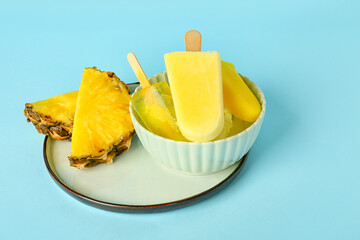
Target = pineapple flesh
(102,125)
(54,116)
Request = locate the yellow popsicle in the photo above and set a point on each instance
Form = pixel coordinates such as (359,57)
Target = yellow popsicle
(155,109)
(153,105)
(238,98)
(196,87)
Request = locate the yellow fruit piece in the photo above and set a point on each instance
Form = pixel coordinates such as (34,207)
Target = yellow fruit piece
(228,124)
(53,116)
(196,88)
(155,109)
(102,125)
(238,98)
(238,126)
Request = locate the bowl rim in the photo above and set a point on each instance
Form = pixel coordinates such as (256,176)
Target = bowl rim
(257,122)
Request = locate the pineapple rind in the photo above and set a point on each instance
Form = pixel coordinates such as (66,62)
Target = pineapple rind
(91,161)
(53,116)
(46,125)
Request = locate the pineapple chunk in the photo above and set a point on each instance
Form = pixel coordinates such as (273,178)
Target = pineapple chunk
(228,124)
(102,125)
(54,116)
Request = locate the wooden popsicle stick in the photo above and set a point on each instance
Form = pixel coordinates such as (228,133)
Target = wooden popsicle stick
(192,41)
(139,72)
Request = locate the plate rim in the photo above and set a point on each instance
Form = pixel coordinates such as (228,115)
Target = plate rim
(160,207)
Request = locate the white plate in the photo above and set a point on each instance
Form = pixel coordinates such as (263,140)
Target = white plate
(134,182)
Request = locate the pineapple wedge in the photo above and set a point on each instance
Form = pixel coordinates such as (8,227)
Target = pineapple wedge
(54,116)
(102,125)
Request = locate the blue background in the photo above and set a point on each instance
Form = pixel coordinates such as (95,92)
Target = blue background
(302,178)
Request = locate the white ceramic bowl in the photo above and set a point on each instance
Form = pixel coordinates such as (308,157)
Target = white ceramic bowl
(199,158)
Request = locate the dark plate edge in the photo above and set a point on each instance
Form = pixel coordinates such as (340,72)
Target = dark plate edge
(163,207)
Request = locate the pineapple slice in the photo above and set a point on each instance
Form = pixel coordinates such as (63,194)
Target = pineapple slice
(54,116)
(102,125)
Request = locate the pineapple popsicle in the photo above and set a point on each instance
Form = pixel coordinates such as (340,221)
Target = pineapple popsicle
(155,109)
(154,106)
(196,87)
(238,98)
